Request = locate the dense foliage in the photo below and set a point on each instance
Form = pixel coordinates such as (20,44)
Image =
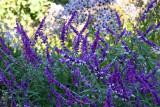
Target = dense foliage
(123,70)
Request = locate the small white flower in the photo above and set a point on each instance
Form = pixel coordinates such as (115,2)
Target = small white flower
(95,68)
(112,84)
(115,96)
(100,58)
(158,29)
(158,52)
(158,70)
(126,52)
(101,77)
(102,72)
(79,63)
(107,52)
(95,73)
(123,99)
(138,36)
(63,55)
(154,4)
(122,46)
(133,95)
(67,59)
(75,61)
(150,9)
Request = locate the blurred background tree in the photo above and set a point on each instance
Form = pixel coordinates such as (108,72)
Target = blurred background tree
(28,12)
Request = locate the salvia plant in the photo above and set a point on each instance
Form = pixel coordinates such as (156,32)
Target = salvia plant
(119,72)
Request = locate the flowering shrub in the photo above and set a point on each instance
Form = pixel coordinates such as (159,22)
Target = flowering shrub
(100,13)
(118,72)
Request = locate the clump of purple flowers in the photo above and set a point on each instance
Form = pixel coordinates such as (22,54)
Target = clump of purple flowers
(93,69)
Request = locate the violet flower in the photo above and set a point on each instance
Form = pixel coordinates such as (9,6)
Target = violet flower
(49,96)
(59,96)
(84,49)
(70,59)
(1,51)
(77,74)
(151,74)
(48,57)
(86,25)
(119,36)
(126,47)
(13,102)
(24,88)
(103,54)
(75,81)
(62,37)
(118,19)
(70,20)
(30,55)
(95,43)
(7,51)
(75,30)
(85,99)
(137,104)
(108,102)
(68,93)
(156,97)
(112,32)
(145,40)
(26,103)
(149,29)
(156,27)
(76,41)
(48,73)
(146,11)
(39,32)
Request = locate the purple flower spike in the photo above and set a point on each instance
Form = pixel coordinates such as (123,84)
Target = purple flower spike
(146,11)
(147,31)
(49,58)
(59,96)
(26,103)
(13,102)
(126,47)
(157,26)
(95,43)
(151,74)
(108,102)
(62,37)
(38,32)
(30,55)
(113,33)
(145,39)
(118,19)
(84,49)
(137,104)
(70,20)
(119,36)
(86,100)
(49,96)
(139,33)
(86,25)
(7,51)
(75,30)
